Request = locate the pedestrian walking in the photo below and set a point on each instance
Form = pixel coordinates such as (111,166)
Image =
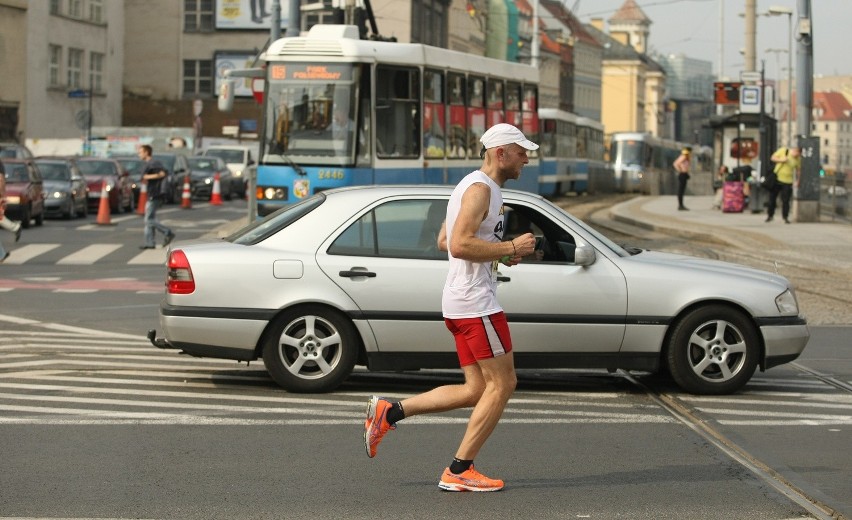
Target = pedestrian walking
(681,167)
(787,162)
(153,174)
(472,234)
(5,223)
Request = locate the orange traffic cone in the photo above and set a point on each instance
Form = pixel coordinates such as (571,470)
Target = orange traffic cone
(103,209)
(216,196)
(186,197)
(143,198)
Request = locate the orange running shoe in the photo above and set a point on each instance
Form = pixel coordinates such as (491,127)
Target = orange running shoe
(470,480)
(376,425)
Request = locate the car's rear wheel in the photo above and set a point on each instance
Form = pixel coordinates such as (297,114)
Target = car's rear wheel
(713,350)
(310,349)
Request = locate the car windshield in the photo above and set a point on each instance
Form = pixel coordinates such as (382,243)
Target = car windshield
(54,171)
(97,168)
(229,156)
(16,173)
(262,229)
(132,166)
(200,163)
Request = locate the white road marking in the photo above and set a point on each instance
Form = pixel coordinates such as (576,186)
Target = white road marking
(28,252)
(89,254)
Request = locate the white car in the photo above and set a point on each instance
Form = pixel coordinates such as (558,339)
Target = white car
(353,276)
(238,159)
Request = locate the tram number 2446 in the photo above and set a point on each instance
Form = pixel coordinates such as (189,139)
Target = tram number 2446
(331,174)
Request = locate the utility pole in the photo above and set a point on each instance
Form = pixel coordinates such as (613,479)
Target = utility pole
(806,200)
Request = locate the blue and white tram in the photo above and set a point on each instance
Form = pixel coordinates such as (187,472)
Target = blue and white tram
(340,111)
(572,153)
(642,163)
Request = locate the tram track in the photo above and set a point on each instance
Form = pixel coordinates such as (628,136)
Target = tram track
(692,419)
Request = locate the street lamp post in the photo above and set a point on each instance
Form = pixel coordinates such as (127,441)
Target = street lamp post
(776,10)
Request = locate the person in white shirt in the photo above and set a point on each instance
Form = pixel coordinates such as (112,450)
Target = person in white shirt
(472,234)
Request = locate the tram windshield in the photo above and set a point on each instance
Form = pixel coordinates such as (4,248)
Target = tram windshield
(631,153)
(311,114)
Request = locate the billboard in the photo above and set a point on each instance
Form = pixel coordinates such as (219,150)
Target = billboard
(228,60)
(246,14)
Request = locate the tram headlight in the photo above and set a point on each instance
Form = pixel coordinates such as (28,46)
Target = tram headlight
(271,193)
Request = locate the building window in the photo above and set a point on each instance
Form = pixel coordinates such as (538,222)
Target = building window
(197,77)
(54,62)
(198,15)
(429,22)
(96,11)
(96,71)
(54,6)
(75,68)
(75,8)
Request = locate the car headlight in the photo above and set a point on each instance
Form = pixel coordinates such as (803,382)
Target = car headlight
(238,173)
(13,199)
(786,303)
(59,195)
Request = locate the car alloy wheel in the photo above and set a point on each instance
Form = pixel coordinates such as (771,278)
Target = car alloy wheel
(310,349)
(713,350)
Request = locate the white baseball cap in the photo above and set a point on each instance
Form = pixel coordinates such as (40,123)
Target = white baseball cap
(504,133)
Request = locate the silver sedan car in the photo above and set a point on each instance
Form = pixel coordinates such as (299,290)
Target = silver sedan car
(353,276)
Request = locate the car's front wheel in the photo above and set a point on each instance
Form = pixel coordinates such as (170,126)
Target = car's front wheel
(713,350)
(310,349)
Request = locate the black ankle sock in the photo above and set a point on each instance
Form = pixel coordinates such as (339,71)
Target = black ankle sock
(460,466)
(396,413)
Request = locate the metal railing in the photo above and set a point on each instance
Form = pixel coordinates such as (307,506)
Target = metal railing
(834,198)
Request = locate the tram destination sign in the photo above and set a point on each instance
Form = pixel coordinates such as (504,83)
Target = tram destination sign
(310,72)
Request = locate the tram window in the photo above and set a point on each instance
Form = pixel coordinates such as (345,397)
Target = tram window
(434,114)
(529,117)
(456,87)
(495,102)
(397,112)
(476,90)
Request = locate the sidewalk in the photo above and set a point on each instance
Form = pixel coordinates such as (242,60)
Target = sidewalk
(826,244)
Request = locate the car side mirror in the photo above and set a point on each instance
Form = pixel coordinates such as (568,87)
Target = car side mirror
(250,162)
(584,255)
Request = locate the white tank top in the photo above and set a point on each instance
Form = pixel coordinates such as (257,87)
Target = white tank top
(471,287)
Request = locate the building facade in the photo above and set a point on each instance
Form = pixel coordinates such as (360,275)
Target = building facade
(62,67)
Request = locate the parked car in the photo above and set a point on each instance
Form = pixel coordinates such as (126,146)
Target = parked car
(203,172)
(133,167)
(10,150)
(353,276)
(98,170)
(65,189)
(177,168)
(239,159)
(24,191)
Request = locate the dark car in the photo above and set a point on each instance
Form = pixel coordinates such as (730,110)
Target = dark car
(24,191)
(203,172)
(14,151)
(177,168)
(65,190)
(107,173)
(133,166)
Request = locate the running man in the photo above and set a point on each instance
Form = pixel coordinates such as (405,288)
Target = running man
(472,235)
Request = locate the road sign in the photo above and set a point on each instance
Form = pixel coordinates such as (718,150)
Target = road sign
(78,93)
(750,100)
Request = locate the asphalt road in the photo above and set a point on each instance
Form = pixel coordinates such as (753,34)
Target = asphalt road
(96,423)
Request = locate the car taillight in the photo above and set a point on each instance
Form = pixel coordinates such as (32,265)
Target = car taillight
(180,279)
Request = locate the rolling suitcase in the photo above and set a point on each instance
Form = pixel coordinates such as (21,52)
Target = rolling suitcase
(733,200)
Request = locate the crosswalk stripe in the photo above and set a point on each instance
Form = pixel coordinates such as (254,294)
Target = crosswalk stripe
(149,257)
(26,253)
(89,254)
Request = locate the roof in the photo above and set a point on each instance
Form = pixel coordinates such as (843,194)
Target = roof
(578,30)
(831,106)
(629,12)
(615,50)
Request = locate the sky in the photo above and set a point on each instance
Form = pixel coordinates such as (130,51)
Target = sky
(691,27)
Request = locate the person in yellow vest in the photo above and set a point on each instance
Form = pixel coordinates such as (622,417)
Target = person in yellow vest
(787,162)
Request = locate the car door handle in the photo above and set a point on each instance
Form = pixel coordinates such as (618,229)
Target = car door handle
(352,274)
(504,279)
